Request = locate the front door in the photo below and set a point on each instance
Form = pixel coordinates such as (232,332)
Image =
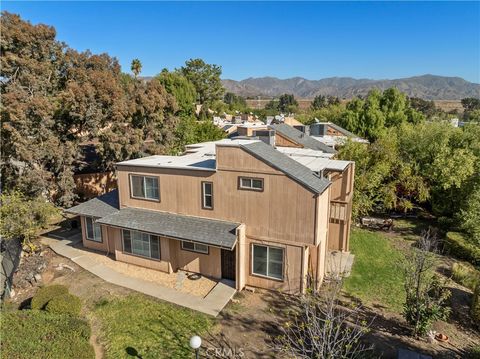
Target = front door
(228,264)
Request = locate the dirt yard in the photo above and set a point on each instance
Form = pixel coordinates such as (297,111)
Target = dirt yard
(179,281)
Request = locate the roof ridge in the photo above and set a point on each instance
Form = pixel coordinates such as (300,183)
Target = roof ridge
(302,138)
(293,169)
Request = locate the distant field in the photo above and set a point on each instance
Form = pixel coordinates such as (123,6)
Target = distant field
(445,105)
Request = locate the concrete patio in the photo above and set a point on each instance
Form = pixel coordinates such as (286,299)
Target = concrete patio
(217,294)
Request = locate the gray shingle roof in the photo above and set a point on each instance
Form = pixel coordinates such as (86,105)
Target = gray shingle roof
(301,138)
(287,165)
(98,207)
(341,130)
(196,229)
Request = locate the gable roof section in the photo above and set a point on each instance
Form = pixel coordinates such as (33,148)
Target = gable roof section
(341,129)
(299,137)
(196,229)
(285,164)
(98,207)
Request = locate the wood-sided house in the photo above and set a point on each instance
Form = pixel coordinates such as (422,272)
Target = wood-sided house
(243,210)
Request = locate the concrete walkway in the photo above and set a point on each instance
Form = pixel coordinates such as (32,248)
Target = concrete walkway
(212,304)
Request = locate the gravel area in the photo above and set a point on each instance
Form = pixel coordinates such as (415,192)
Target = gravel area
(179,281)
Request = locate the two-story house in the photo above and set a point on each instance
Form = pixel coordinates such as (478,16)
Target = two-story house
(243,210)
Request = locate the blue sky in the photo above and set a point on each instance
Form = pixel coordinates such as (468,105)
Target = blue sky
(251,39)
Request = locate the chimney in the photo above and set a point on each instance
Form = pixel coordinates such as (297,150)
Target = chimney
(266,136)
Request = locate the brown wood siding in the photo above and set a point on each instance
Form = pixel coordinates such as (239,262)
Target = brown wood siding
(293,268)
(283,211)
(333,132)
(282,141)
(90,185)
(207,264)
(248,131)
(341,192)
(87,243)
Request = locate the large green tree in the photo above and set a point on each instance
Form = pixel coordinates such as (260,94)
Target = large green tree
(430,164)
(136,67)
(206,79)
(55,98)
(181,88)
(234,102)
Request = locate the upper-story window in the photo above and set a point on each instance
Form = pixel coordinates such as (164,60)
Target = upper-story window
(254,184)
(93,230)
(145,187)
(207,195)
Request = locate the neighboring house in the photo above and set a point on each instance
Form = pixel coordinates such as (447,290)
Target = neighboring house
(288,136)
(248,128)
(331,134)
(242,210)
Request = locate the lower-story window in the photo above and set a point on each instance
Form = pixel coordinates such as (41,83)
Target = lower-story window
(195,247)
(267,261)
(93,230)
(141,244)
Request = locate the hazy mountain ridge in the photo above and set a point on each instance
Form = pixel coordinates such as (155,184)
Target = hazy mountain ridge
(429,87)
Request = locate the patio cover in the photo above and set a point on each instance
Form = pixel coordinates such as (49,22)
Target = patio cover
(201,230)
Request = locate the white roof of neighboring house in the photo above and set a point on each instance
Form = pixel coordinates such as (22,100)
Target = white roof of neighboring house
(202,156)
(315,160)
(252,124)
(332,141)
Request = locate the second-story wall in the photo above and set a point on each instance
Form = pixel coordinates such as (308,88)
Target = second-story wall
(283,211)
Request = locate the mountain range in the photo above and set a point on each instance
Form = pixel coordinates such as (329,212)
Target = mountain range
(428,87)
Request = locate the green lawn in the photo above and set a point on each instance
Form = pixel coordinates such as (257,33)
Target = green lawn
(139,326)
(30,334)
(376,277)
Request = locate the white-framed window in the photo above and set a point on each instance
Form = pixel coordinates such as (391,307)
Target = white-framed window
(207,195)
(254,184)
(93,230)
(195,247)
(141,244)
(145,187)
(267,261)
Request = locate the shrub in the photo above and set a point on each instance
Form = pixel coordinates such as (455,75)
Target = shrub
(457,245)
(465,275)
(475,308)
(21,217)
(38,334)
(46,294)
(65,304)
(426,296)
(473,353)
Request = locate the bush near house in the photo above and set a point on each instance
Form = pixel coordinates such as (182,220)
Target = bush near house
(68,304)
(457,245)
(465,275)
(46,294)
(30,334)
(475,308)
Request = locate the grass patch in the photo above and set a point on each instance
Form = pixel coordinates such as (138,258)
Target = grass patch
(466,275)
(138,325)
(375,276)
(39,334)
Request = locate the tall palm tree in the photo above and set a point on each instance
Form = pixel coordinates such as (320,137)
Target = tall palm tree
(136,67)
